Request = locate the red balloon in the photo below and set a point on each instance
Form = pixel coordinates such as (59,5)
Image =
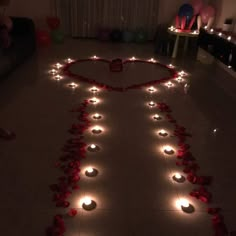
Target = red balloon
(197,6)
(43,37)
(206,13)
(53,22)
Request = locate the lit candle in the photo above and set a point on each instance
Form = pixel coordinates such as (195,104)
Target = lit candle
(229,38)
(58,77)
(212,30)
(182,73)
(88,204)
(163,133)
(94,89)
(132,58)
(179,79)
(220,34)
(91,172)
(93,100)
(73,85)
(93,148)
(94,57)
(178,178)
(169,84)
(151,89)
(168,150)
(152,60)
(96,130)
(157,117)
(69,60)
(58,65)
(97,116)
(186,206)
(171,66)
(53,71)
(152,104)
(205,27)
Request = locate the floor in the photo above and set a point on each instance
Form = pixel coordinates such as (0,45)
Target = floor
(134,191)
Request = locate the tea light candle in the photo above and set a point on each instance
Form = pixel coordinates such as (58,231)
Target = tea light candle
(163,133)
(151,89)
(93,148)
(73,85)
(91,172)
(96,130)
(94,57)
(182,73)
(169,84)
(152,60)
(152,104)
(69,60)
(97,116)
(186,206)
(58,65)
(168,150)
(94,89)
(94,100)
(53,71)
(88,204)
(179,79)
(156,117)
(178,178)
(58,77)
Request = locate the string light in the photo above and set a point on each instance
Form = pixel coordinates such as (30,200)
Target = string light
(73,85)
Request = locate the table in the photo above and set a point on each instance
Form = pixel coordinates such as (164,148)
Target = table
(178,34)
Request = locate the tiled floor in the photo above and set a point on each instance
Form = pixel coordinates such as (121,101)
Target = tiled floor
(134,190)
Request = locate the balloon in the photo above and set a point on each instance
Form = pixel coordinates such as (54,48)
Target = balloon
(116,35)
(186,10)
(207,13)
(141,36)
(197,6)
(128,36)
(43,37)
(6,21)
(53,22)
(104,34)
(57,36)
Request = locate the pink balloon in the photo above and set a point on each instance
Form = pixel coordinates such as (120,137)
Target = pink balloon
(206,13)
(197,6)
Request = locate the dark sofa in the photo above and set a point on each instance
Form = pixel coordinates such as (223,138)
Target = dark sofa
(23,45)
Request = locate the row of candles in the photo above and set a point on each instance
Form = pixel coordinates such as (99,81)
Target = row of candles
(184,204)
(87,202)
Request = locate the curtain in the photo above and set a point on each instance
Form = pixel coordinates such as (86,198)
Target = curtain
(83,18)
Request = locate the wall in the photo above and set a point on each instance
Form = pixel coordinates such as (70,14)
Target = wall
(228,10)
(36,9)
(39,9)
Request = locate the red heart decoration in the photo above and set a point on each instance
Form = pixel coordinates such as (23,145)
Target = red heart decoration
(66,71)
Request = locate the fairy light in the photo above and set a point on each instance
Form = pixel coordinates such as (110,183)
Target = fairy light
(94,89)
(212,30)
(171,66)
(69,60)
(229,38)
(169,84)
(152,60)
(133,58)
(58,77)
(220,34)
(94,57)
(179,79)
